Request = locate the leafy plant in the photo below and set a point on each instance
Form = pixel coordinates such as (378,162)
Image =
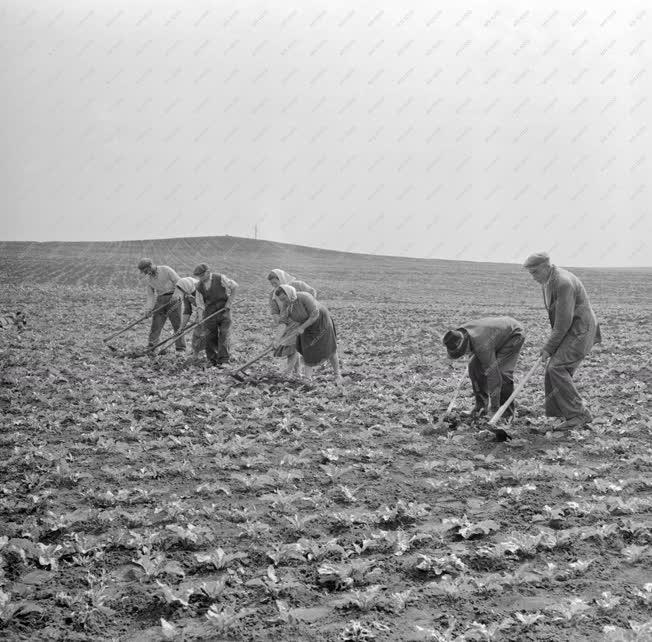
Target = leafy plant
(467,530)
(273,585)
(49,555)
(154,565)
(575,608)
(213,589)
(212,488)
(340,576)
(634,553)
(402,512)
(645,595)
(638,632)
(516,491)
(298,523)
(487,632)
(445,635)
(362,600)
(285,552)
(255,530)
(334,473)
(219,559)
(346,494)
(528,619)
(191,535)
(580,566)
(222,620)
(520,543)
(399,601)
(439,565)
(354,631)
(608,601)
(180,596)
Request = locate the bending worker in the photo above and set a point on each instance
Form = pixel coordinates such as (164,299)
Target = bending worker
(495,343)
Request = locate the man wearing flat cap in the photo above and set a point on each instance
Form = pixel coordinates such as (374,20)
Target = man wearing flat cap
(215,292)
(575,330)
(495,343)
(160,281)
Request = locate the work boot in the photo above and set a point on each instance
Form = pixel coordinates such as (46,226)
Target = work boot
(576,421)
(478,411)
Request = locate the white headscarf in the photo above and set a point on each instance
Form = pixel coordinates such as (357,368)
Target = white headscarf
(290,292)
(188,284)
(284,278)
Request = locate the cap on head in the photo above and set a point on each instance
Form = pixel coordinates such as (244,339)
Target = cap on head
(145,264)
(200,270)
(536,259)
(456,343)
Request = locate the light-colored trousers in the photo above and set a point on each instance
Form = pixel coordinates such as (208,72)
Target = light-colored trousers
(562,397)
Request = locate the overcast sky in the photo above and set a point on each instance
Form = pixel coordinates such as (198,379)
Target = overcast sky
(421,129)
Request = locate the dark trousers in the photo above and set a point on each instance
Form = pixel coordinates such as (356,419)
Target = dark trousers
(506,356)
(168,310)
(217,333)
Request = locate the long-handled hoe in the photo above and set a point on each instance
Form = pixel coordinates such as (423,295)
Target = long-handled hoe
(239,373)
(500,434)
(172,338)
(451,405)
(128,327)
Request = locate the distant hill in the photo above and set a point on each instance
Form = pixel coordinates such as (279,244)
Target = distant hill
(113,264)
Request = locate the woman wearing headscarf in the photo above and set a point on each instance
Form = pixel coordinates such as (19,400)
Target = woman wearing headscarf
(277,278)
(315,338)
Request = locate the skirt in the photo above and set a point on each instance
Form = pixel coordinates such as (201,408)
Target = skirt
(318,341)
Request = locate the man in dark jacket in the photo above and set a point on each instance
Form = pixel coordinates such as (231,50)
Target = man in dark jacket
(575,330)
(215,292)
(495,343)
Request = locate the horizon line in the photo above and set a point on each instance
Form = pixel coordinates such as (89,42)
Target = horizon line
(321,249)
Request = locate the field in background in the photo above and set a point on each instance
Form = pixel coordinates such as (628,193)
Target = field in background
(153,499)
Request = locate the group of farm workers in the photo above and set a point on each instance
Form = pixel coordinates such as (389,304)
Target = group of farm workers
(305,332)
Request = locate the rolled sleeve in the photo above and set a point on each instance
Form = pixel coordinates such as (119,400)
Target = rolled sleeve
(171,275)
(228,284)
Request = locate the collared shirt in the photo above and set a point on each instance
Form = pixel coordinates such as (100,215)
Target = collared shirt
(161,282)
(228,284)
